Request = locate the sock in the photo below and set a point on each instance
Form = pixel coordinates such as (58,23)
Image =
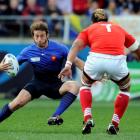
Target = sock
(65,102)
(120,106)
(86,102)
(5,112)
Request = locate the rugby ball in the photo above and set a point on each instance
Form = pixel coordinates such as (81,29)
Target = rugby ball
(14,68)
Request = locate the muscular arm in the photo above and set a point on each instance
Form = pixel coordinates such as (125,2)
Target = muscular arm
(136,53)
(79,63)
(71,58)
(135,50)
(76,47)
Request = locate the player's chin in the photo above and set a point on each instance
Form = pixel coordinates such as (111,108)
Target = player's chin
(41,45)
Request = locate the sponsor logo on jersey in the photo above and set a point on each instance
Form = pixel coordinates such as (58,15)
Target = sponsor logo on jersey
(35,59)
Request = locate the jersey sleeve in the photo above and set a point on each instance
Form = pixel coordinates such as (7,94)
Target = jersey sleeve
(129,40)
(22,57)
(84,37)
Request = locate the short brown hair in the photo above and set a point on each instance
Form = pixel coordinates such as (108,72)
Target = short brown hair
(39,25)
(99,15)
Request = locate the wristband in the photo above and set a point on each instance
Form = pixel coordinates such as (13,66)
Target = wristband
(68,63)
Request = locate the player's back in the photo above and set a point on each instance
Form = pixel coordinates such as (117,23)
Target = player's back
(106,38)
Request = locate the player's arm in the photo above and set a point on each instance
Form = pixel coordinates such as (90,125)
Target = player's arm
(79,63)
(133,45)
(136,53)
(78,44)
(4,67)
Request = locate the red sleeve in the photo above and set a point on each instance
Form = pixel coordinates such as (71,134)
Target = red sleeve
(129,40)
(84,37)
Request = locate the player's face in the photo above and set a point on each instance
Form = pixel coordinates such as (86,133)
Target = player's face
(40,38)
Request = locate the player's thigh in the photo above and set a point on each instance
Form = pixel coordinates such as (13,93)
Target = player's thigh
(118,69)
(52,90)
(22,98)
(70,86)
(94,68)
(35,88)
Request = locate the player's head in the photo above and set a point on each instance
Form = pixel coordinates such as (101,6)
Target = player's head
(39,31)
(99,15)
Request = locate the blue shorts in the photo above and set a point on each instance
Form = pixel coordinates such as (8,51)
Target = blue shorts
(37,88)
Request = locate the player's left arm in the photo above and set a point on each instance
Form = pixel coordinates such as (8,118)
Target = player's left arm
(133,45)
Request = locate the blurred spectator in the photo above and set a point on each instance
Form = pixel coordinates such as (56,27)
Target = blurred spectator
(3,6)
(136,6)
(54,23)
(125,10)
(112,8)
(93,5)
(41,3)
(65,6)
(31,8)
(13,26)
(80,7)
(13,8)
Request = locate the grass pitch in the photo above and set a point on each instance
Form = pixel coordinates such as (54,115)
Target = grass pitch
(30,122)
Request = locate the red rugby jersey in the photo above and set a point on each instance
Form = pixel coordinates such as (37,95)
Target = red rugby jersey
(106,38)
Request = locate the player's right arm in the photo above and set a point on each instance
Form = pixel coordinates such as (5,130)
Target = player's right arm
(4,66)
(22,57)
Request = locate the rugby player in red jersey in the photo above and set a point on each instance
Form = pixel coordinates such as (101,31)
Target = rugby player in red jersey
(107,42)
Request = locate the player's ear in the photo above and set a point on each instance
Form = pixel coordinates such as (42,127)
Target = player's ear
(47,35)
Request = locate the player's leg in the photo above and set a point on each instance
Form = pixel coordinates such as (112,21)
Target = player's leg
(29,92)
(121,77)
(68,92)
(86,103)
(22,98)
(120,104)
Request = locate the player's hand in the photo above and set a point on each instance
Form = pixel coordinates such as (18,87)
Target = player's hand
(65,72)
(4,66)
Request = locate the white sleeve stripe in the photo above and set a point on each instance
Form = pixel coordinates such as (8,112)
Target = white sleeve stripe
(134,46)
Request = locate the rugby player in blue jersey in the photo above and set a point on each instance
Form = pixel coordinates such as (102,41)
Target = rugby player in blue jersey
(46,57)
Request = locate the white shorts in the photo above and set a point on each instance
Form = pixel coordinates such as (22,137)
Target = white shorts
(97,65)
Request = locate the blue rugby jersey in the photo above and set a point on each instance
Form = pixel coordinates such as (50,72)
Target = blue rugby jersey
(46,62)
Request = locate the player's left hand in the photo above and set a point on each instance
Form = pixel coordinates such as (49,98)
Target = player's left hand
(65,72)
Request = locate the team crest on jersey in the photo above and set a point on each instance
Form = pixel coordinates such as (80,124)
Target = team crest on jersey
(35,59)
(53,58)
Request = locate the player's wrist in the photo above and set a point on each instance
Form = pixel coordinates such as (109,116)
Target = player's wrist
(68,64)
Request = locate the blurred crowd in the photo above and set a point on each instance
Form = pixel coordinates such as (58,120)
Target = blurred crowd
(56,8)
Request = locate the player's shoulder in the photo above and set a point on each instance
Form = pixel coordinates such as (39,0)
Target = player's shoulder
(57,44)
(28,47)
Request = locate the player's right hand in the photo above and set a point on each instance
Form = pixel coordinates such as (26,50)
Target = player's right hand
(4,66)
(65,72)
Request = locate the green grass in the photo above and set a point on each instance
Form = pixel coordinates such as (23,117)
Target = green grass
(30,122)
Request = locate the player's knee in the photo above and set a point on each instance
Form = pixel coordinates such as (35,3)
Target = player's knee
(125,87)
(73,87)
(125,84)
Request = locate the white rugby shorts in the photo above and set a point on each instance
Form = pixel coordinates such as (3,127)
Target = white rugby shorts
(97,65)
